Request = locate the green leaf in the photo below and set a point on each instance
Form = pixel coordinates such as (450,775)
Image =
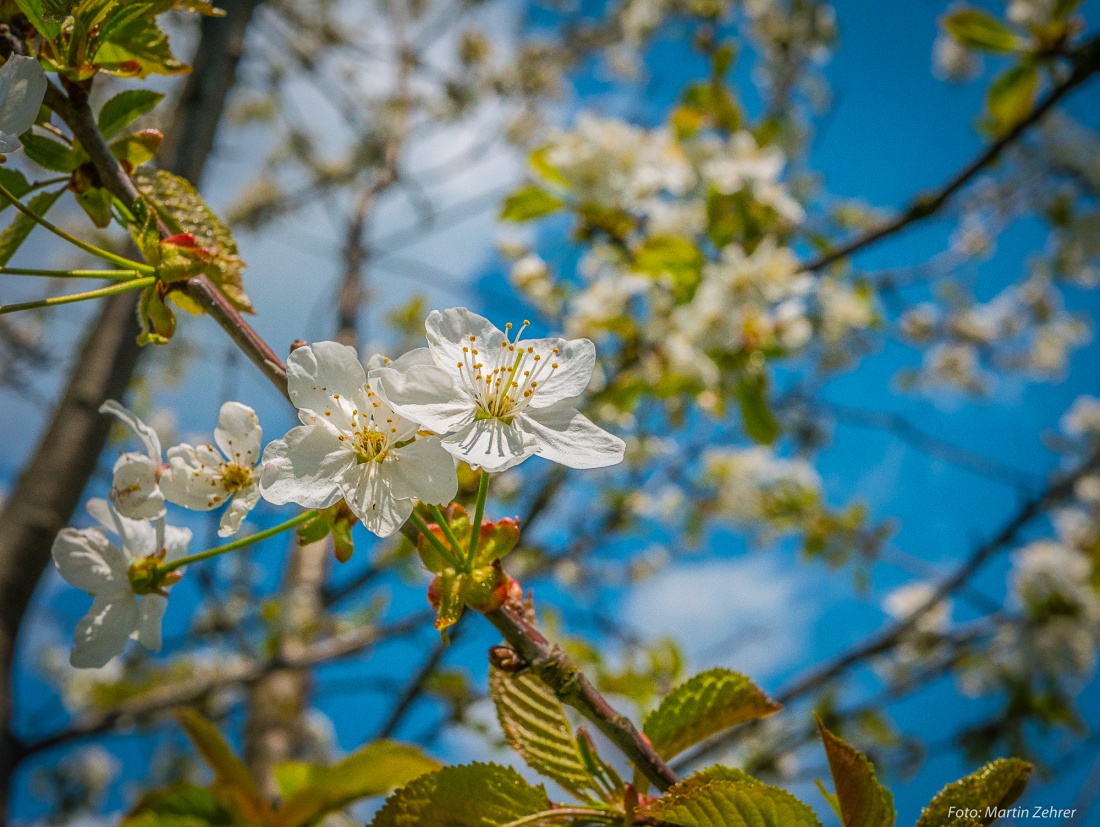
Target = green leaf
(183,805)
(529,202)
(702,706)
(447,593)
(14,182)
(375,769)
(133,45)
(125,108)
(182,209)
(475,795)
(752,396)
(710,800)
(496,540)
(138,148)
(979,29)
(13,236)
(35,10)
(861,801)
(1011,96)
(50,154)
(535,727)
(996,785)
(233,783)
(673,256)
(96,202)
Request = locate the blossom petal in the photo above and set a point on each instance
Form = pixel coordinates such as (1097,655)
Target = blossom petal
(417,356)
(304,467)
(575,359)
(564,435)
(238,434)
(176,541)
(450,330)
(25,84)
(490,444)
(427,395)
(368,493)
(135,490)
(143,432)
(151,610)
(136,537)
(316,372)
(242,503)
(422,470)
(102,633)
(87,559)
(193,477)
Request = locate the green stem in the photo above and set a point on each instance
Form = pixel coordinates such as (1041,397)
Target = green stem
(422,527)
(121,287)
(448,532)
(117,275)
(305,516)
(106,255)
(611,817)
(479,513)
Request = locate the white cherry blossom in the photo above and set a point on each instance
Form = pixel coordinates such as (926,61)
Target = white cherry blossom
(22,87)
(351,445)
(135,484)
(204,477)
(500,401)
(92,562)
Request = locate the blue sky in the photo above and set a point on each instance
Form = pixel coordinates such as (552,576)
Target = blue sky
(893,131)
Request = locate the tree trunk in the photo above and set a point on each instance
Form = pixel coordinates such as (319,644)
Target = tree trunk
(53,480)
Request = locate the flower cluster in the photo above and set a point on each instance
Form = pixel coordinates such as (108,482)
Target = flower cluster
(1025,328)
(380,437)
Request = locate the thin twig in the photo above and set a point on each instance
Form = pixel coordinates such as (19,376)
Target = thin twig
(1086,62)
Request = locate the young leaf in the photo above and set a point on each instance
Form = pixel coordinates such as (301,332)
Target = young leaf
(702,706)
(133,45)
(50,154)
(13,236)
(979,29)
(475,795)
(536,728)
(125,108)
(860,800)
(46,24)
(710,800)
(995,786)
(672,256)
(184,211)
(184,805)
(756,415)
(372,770)
(14,182)
(138,148)
(233,784)
(529,202)
(1011,96)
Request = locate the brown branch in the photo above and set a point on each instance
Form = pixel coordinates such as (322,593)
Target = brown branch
(53,479)
(183,693)
(890,637)
(1085,61)
(571,687)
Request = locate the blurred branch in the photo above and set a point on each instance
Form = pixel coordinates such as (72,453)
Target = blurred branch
(1085,61)
(53,479)
(928,443)
(182,693)
(896,633)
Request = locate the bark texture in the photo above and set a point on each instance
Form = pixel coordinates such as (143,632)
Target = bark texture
(52,482)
